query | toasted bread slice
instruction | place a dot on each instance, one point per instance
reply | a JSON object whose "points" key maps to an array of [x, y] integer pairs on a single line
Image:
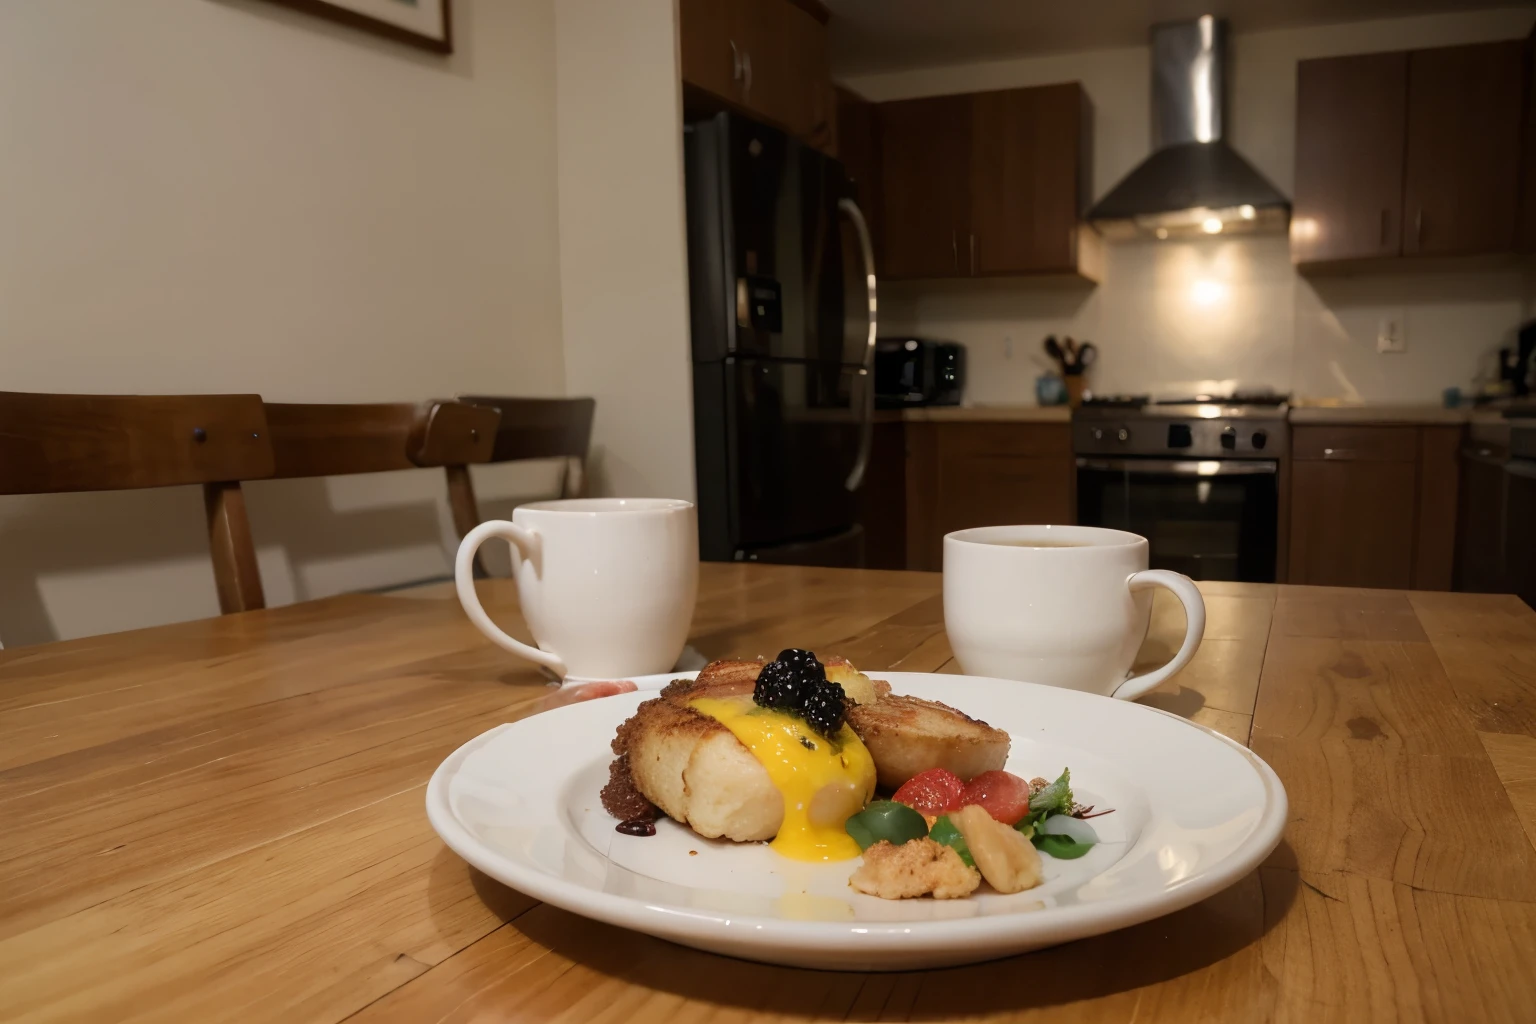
{"points": [[693, 768], [907, 735], [698, 773]]}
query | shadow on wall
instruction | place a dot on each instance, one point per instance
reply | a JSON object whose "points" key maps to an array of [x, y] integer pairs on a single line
{"points": [[984, 299], [72, 564], [1454, 321]]}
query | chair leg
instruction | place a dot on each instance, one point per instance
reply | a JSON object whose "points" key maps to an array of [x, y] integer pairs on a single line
{"points": [[235, 572], [466, 512], [579, 489]]}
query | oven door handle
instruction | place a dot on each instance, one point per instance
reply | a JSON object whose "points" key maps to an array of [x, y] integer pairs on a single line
{"points": [[1183, 467]]}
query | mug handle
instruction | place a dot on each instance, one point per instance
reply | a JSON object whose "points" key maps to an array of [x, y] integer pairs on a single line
{"points": [[1194, 612], [530, 546]]}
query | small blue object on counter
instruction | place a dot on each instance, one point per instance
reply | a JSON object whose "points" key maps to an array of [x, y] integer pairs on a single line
{"points": [[1050, 389]]}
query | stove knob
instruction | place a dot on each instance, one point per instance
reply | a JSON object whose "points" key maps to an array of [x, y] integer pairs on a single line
{"points": [[1123, 435], [1229, 439], [1260, 439], [1098, 434]]}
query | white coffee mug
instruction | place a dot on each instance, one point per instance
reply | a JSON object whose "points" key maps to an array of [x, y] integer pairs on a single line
{"points": [[607, 585], [1063, 605]]}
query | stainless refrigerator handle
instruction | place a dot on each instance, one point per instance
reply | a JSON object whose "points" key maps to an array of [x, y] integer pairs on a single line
{"points": [[1183, 467], [855, 480]]}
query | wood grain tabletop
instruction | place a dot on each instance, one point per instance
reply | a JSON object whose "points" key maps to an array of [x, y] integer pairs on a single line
{"points": [[223, 821]]}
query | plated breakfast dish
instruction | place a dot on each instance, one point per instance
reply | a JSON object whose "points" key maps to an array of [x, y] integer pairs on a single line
{"points": [[1193, 813], [798, 753]]}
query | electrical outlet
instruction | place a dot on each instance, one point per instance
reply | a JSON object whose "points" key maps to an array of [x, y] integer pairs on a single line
{"points": [[1390, 336], [1007, 346]]}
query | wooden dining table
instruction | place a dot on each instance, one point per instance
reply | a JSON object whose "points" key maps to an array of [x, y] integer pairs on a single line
{"points": [[223, 821]]}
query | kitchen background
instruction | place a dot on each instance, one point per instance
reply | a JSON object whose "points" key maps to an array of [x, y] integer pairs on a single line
{"points": [[278, 204], [1170, 313]]}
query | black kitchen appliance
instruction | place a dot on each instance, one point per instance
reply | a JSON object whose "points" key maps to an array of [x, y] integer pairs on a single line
{"points": [[782, 304], [1196, 476], [1518, 365], [1520, 508], [1496, 520], [916, 371]]}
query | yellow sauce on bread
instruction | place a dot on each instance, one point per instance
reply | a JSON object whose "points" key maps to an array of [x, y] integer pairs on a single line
{"points": [[823, 782]]}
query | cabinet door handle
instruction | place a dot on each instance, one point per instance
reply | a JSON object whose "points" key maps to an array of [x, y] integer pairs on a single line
{"points": [[737, 70], [954, 247], [1338, 453], [746, 63], [973, 254]]}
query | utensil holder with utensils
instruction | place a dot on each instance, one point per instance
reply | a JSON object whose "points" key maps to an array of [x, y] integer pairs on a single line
{"points": [[1074, 358]]}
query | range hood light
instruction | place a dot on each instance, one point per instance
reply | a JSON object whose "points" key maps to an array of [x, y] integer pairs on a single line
{"points": [[1162, 233], [1211, 225], [1247, 212]]}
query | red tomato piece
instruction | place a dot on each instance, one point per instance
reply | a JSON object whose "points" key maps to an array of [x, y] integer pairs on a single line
{"points": [[1003, 795], [935, 791]]}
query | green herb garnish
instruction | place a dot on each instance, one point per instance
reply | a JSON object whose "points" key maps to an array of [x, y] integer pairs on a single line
{"points": [[886, 819], [945, 833]]}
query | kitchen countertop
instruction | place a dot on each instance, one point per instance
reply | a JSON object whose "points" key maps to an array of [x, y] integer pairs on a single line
{"points": [[988, 414], [1385, 414], [1378, 414]]}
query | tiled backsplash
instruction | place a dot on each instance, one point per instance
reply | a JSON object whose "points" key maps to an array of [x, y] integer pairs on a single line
{"points": [[1170, 314]]}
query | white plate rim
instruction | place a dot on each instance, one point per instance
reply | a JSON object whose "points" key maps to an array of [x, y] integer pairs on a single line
{"points": [[1037, 928]]}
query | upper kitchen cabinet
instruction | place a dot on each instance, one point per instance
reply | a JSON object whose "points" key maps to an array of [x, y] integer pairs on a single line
{"points": [[1461, 186], [858, 147], [766, 58], [925, 211], [1030, 157], [1526, 240], [1350, 114], [711, 57], [1407, 154], [987, 184]]}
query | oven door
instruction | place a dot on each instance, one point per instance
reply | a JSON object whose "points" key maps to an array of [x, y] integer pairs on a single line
{"points": [[1208, 519]]}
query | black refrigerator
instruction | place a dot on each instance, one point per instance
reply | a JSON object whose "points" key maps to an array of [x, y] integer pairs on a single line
{"points": [[782, 297]]}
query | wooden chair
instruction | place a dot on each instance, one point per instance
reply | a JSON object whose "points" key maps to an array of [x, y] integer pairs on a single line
{"points": [[57, 443], [532, 428], [340, 440]]}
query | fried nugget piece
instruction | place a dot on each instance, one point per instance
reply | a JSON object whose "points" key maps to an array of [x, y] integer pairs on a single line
{"points": [[920, 867], [908, 735]]}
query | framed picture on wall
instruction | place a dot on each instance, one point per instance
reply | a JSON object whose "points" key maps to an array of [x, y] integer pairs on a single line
{"points": [[423, 23]]}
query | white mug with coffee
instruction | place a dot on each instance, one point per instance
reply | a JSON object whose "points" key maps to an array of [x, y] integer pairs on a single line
{"points": [[1063, 605], [607, 585]]}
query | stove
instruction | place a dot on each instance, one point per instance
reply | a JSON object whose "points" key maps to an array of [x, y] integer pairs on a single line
{"points": [[1196, 475], [1191, 428]]}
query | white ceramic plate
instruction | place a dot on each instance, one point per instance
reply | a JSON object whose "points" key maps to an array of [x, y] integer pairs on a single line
{"points": [[1194, 812]]}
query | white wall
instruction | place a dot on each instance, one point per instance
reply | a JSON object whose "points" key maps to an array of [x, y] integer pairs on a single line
{"points": [[623, 259], [225, 195], [1170, 314]]}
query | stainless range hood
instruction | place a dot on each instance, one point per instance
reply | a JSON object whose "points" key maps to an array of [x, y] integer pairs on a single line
{"points": [[1194, 183]]}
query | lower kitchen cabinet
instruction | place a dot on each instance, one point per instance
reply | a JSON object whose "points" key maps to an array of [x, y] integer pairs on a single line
{"points": [[883, 497], [1373, 506], [961, 475]]}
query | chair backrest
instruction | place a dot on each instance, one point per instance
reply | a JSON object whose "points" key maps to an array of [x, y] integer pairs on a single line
{"points": [[339, 440], [56, 443], [539, 428]]}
